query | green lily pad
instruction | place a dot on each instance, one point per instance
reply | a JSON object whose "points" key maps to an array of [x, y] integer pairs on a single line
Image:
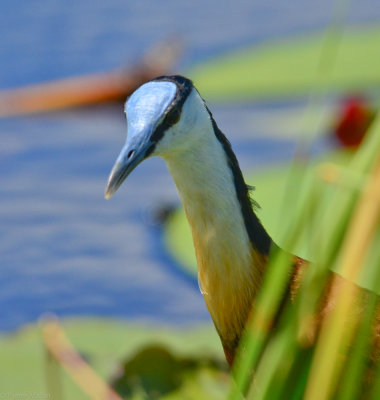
{"points": [[106, 344], [288, 67]]}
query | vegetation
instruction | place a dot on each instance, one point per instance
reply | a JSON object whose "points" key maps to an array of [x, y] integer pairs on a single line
{"points": [[288, 68], [343, 236], [192, 357]]}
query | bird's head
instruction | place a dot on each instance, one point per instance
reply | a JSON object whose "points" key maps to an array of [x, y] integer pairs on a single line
{"points": [[160, 116]]}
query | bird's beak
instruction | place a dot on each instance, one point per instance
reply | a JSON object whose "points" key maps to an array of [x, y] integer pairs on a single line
{"points": [[135, 150]]}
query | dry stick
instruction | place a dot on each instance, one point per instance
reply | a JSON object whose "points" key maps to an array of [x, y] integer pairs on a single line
{"points": [[334, 332], [89, 89], [64, 353]]}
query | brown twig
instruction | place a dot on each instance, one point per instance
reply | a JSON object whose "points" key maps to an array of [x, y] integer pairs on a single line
{"points": [[63, 352], [89, 89]]}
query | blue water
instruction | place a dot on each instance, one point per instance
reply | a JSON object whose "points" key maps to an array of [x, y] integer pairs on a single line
{"points": [[46, 39], [63, 248]]}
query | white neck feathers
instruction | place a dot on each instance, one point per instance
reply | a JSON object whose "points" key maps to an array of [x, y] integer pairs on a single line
{"points": [[229, 269]]}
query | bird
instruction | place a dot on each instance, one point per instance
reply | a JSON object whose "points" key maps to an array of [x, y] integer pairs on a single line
{"points": [[167, 117]]}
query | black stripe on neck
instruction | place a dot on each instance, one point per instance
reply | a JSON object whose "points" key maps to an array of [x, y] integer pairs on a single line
{"points": [[257, 234], [174, 109]]}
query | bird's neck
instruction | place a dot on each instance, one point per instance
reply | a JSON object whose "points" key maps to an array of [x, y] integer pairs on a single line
{"points": [[230, 257]]}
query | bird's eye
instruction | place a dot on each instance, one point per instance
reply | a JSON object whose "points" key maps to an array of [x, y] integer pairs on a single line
{"points": [[172, 117]]}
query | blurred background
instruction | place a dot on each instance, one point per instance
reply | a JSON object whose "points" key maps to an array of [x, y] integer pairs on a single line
{"points": [[116, 264]]}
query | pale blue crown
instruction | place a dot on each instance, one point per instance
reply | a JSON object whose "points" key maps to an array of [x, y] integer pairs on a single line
{"points": [[147, 104]]}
